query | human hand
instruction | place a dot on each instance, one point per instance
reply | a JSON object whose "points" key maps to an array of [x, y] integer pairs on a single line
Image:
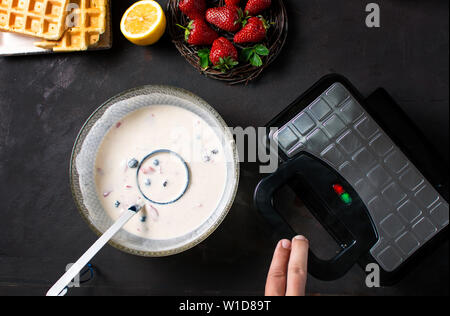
{"points": [[288, 271]]}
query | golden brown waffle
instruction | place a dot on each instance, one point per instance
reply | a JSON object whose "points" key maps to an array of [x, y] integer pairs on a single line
{"points": [[40, 18], [106, 38], [89, 17]]}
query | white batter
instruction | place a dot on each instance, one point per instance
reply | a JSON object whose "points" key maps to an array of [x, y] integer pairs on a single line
{"points": [[162, 177]]}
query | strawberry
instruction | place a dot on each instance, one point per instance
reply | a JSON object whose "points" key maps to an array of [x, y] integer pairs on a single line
{"points": [[232, 2], [194, 9], [254, 7], [198, 32], [228, 18], [223, 54], [253, 32]]}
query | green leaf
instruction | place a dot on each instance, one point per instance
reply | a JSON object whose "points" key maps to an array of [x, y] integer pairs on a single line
{"points": [[261, 50], [247, 53], [204, 58], [234, 63], [203, 52], [256, 61], [204, 62]]}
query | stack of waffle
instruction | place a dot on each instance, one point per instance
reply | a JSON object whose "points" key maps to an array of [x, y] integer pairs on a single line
{"points": [[58, 25]]}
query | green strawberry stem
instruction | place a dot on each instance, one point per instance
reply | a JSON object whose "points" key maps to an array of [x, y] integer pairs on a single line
{"points": [[242, 18], [187, 30], [226, 64], [265, 23]]}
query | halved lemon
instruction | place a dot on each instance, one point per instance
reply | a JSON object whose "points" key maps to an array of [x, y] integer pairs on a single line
{"points": [[143, 23]]}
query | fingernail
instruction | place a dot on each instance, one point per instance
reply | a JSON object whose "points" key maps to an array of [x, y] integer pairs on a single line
{"points": [[300, 237], [286, 244]]}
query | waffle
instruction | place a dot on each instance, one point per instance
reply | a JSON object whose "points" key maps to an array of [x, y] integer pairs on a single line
{"points": [[39, 18], [89, 17], [106, 38]]}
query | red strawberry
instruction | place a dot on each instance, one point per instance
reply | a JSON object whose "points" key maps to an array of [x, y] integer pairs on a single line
{"points": [[227, 18], [223, 54], [198, 32], [232, 2], [253, 32], [194, 9], [254, 7]]}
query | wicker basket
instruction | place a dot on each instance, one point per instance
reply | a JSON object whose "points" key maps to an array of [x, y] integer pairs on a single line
{"points": [[243, 73]]}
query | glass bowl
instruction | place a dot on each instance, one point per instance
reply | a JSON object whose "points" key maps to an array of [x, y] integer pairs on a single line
{"points": [[97, 218]]}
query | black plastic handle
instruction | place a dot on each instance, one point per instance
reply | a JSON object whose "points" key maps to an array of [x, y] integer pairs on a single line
{"points": [[349, 225]]}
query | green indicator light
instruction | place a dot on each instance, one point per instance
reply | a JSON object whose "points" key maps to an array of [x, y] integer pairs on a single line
{"points": [[346, 198]]}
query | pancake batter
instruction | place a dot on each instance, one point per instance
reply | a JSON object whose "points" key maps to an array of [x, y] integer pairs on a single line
{"points": [[162, 177]]}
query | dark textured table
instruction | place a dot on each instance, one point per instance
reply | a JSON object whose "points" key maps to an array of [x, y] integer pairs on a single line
{"points": [[44, 101]]}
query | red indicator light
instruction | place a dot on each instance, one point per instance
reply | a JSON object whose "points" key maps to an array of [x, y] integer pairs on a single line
{"points": [[339, 189], [345, 197]]}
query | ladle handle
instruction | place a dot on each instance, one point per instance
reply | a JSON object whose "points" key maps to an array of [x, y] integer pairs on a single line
{"points": [[62, 283]]}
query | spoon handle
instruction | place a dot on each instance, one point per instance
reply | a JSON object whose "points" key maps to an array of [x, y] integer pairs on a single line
{"points": [[62, 283]]}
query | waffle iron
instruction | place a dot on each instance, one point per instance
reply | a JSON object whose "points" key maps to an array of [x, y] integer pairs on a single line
{"points": [[365, 172]]}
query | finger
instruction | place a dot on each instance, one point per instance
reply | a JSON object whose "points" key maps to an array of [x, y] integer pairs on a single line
{"points": [[276, 279], [298, 267]]}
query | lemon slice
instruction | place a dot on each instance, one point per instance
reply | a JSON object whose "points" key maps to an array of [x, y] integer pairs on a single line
{"points": [[143, 23]]}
